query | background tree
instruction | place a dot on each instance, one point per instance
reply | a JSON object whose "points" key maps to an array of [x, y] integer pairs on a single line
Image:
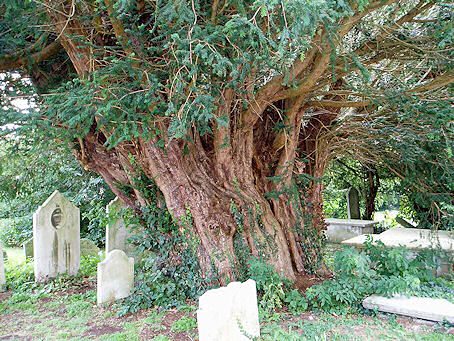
{"points": [[233, 108], [30, 172]]}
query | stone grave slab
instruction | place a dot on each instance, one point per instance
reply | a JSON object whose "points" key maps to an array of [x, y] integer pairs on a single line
{"points": [[353, 203], [433, 309], [117, 233], [339, 230], [28, 248], [115, 277], [225, 312], [56, 243], [88, 248], [2, 269]]}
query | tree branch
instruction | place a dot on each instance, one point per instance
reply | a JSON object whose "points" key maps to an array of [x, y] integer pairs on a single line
{"points": [[17, 61]]}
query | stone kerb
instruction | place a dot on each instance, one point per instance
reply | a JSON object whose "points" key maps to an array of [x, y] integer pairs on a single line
{"points": [[229, 313], [115, 277], [2, 270], [56, 244], [117, 233]]}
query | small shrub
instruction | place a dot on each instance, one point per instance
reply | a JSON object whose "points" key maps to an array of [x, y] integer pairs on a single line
{"points": [[184, 324], [296, 302]]}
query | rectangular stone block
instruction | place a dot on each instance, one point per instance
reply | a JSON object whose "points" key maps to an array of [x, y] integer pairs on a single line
{"points": [[433, 309], [229, 313], [115, 277], [339, 230]]}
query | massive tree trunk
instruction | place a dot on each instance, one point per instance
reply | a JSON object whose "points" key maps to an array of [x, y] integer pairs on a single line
{"points": [[244, 179]]}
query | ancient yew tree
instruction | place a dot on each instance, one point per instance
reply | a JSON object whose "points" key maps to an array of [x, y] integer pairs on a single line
{"points": [[232, 108]]}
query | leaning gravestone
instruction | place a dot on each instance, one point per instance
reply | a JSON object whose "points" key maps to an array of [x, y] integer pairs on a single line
{"points": [[229, 313], [117, 233], [88, 248], [56, 228], [353, 203], [28, 248], [115, 277], [2, 269]]}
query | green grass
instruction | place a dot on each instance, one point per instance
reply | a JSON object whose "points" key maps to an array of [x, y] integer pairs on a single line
{"points": [[15, 255]]}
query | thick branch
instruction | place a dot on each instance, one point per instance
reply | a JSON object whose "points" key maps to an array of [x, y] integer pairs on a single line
{"points": [[16, 61]]}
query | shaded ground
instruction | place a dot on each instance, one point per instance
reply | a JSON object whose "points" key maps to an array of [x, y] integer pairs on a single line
{"points": [[74, 315]]}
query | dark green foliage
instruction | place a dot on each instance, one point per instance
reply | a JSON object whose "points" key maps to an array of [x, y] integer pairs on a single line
{"points": [[169, 272]]}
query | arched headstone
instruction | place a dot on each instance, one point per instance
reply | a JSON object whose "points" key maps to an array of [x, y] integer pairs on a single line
{"points": [[115, 277], [56, 238], [353, 203], [117, 232], [229, 313]]}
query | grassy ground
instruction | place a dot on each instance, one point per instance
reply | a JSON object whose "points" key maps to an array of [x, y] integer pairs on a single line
{"points": [[53, 313], [15, 255]]}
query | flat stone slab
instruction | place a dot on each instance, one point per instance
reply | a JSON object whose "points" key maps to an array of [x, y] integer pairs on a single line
{"points": [[413, 239], [433, 309], [339, 230]]}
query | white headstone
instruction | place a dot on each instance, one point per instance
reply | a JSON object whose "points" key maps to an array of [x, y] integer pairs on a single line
{"points": [[117, 233], [2, 269], [229, 313], [115, 277], [56, 244]]}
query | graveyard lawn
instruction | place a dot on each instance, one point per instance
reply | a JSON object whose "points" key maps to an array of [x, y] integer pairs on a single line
{"points": [[73, 314]]}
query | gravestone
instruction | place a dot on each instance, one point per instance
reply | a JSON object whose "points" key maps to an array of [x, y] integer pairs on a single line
{"points": [[353, 203], [88, 248], [56, 228], [2, 269], [115, 277], [28, 248], [229, 313], [117, 233]]}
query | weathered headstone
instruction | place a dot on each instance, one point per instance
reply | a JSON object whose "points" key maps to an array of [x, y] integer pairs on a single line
{"points": [[115, 277], [229, 313], [56, 229], [28, 248], [88, 248], [353, 203], [117, 233], [2, 269], [434, 309]]}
